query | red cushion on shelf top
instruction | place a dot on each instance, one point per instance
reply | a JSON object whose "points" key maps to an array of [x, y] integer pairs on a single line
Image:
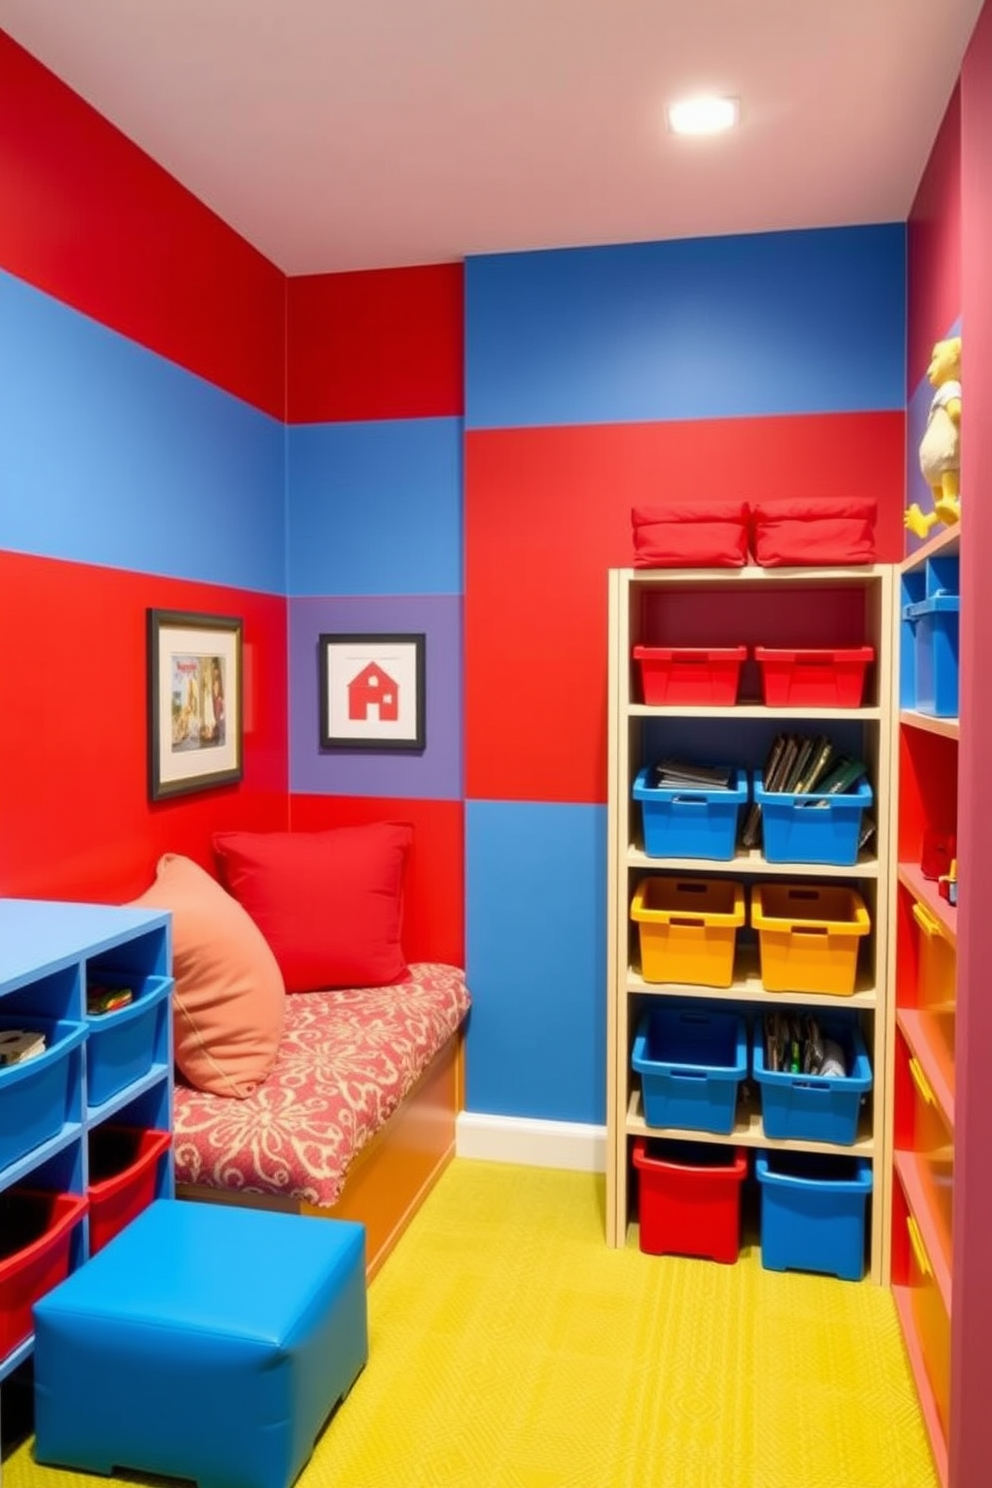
{"points": [[682, 534], [809, 531]]}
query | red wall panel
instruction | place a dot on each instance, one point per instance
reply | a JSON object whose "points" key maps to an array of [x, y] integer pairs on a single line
{"points": [[95, 222], [972, 1300], [934, 247], [77, 822], [382, 344], [434, 892], [547, 513]]}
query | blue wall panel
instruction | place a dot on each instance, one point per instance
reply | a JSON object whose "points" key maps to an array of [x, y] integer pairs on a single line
{"points": [[536, 958], [114, 456], [375, 507], [797, 322]]}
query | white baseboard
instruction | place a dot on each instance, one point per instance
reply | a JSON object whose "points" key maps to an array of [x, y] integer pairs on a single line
{"points": [[531, 1141]]}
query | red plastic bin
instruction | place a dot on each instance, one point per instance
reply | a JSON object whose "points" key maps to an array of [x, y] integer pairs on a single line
{"points": [[823, 678], [690, 1198], [690, 674], [35, 1236], [123, 1174]]}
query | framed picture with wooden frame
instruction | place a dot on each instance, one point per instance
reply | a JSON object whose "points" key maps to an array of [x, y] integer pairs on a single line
{"points": [[195, 723], [372, 691]]}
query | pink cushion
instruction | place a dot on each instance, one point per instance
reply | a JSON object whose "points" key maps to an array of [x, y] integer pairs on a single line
{"points": [[330, 904], [229, 998]]}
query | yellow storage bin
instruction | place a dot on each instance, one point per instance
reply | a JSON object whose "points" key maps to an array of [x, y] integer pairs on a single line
{"points": [[923, 1132], [933, 1325], [936, 994], [688, 929], [808, 936]]}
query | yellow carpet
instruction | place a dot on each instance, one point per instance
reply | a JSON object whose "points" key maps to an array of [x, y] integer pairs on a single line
{"points": [[511, 1349]]}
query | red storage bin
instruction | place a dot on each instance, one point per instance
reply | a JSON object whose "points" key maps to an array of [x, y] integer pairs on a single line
{"points": [[690, 1198], [123, 1173], [690, 674], [823, 678], [35, 1236]]}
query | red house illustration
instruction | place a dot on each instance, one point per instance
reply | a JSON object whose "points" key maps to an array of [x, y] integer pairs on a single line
{"points": [[373, 688]]}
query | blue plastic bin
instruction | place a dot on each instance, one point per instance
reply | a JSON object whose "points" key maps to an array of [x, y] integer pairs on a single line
{"points": [[813, 1212], [934, 626], [687, 823], [691, 1061], [36, 1097], [123, 1045], [814, 1108], [811, 828]]}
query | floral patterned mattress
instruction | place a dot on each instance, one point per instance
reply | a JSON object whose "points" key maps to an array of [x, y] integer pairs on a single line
{"points": [[346, 1060]]}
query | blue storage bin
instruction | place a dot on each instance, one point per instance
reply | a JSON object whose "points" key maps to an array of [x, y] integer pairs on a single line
{"points": [[814, 1108], [122, 1045], [932, 627], [691, 1061], [813, 1212], [681, 822], [811, 827], [36, 1097]]}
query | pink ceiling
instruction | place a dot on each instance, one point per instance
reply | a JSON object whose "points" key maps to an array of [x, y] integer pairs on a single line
{"points": [[341, 134]]}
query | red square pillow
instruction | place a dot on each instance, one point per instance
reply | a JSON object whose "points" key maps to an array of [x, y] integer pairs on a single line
{"points": [[803, 531], [330, 904], [683, 534]]}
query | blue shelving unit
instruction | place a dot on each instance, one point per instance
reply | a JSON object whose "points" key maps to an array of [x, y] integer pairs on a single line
{"points": [[49, 951]]}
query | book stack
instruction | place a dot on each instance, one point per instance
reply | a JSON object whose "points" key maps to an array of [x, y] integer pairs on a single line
{"points": [[806, 764], [795, 1044], [100, 999], [674, 774]]}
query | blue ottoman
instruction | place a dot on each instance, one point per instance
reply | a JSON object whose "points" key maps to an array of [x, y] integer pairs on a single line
{"points": [[203, 1342]]}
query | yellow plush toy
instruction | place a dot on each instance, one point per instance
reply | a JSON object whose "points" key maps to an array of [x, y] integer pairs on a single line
{"points": [[940, 447]]}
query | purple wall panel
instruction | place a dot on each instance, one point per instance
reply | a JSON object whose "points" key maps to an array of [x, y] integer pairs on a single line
{"points": [[434, 775]]}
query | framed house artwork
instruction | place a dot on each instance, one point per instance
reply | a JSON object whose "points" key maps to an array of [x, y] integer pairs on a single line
{"points": [[372, 692], [194, 702]]}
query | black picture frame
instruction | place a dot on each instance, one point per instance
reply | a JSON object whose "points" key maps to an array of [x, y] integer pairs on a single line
{"points": [[373, 691], [195, 719]]}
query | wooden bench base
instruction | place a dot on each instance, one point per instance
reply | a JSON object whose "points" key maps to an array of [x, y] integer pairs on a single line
{"points": [[393, 1174]]}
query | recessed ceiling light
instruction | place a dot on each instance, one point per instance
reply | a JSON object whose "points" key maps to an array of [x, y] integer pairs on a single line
{"points": [[706, 115]]}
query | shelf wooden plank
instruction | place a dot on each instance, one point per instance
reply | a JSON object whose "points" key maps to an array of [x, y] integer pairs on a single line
{"points": [[924, 1390], [934, 1233], [948, 728], [925, 890], [748, 1132], [750, 860], [752, 709], [946, 542], [917, 1033], [746, 987], [861, 575]]}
